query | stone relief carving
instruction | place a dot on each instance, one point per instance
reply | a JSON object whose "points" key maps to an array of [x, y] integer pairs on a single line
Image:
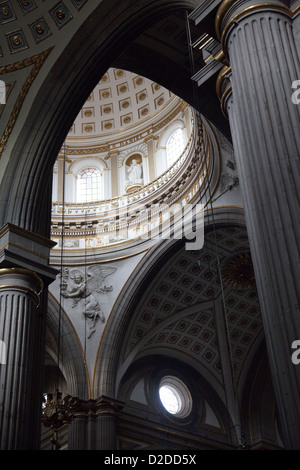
{"points": [[229, 178], [70, 243], [79, 285]]}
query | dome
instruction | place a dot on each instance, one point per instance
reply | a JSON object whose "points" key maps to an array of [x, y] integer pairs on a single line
{"points": [[133, 145], [122, 101]]}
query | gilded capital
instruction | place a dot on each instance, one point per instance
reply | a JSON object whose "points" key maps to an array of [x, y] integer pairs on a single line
{"points": [[23, 280], [230, 11]]}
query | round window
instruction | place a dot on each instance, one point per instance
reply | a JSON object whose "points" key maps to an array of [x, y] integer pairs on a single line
{"points": [[175, 396]]}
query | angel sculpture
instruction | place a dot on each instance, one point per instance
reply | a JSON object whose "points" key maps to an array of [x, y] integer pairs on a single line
{"points": [[75, 285]]}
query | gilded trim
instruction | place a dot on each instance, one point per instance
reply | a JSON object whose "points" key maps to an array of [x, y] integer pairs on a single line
{"points": [[296, 10], [252, 9], [22, 288], [11, 228], [24, 249], [227, 4], [23, 272], [220, 80], [225, 95], [111, 260], [37, 61]]}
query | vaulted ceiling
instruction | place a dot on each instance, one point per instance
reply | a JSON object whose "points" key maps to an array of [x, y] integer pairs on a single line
{"points": [[180, 309]]}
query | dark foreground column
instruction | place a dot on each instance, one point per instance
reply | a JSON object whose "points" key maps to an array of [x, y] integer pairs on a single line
{"points": [[24, 275], [256, 93]]}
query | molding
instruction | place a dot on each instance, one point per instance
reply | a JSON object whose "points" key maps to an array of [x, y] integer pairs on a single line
{"points": [[37, 61], [220, 80], [23, 273], [116, 144], [227, 4], [224, 97], [22, 232], [250, 10], [111, 260]]}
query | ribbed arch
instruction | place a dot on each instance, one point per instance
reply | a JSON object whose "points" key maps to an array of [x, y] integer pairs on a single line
{"points": [[71, 356]]}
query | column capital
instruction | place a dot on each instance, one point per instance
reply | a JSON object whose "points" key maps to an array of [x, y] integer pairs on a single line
{"points": [[150, 138], [23, 280], [231, 11], [113, 152]]}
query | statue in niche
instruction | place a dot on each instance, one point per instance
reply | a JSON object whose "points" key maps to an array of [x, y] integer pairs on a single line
{"points": [[134, 171], [75, 285]]}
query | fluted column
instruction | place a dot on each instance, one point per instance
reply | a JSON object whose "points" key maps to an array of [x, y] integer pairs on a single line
{"points": [[95, 425], [255, 90], [19, 298], [24, 278], [107, 425]]}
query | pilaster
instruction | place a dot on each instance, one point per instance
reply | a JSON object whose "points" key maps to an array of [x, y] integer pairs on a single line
{"points": [[150, 141]]}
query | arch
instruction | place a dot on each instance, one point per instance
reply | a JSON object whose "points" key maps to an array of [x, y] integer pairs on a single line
{"points": [[175, 145], [105, 373], [161, 158], [149, 371], [165, 135], [72, 364], [83, 162], [259, 409], [25, 198]]}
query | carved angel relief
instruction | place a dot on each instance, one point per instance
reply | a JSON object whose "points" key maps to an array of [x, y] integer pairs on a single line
{"points": [[79, 285]]}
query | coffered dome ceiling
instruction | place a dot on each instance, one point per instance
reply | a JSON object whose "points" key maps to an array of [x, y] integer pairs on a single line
{"points": [[121, 101]]}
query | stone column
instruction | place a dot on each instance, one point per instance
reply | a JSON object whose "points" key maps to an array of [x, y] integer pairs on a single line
{"points": [[24, 276], [19, 298], [95, 425], [107, 424], [255, 91]]}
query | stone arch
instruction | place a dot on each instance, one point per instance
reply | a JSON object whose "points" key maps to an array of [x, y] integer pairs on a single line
{"points": [[72, 365], [25, 197], [258, 404], [105, 373]]}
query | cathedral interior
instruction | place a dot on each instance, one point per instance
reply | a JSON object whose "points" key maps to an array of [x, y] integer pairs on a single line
{"points": [[149, 225]]}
